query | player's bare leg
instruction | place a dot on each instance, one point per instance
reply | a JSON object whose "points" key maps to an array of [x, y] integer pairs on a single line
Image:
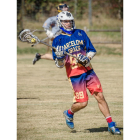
{"points": [[44, 56], [47, 56], [78, 106], [103, 106]]}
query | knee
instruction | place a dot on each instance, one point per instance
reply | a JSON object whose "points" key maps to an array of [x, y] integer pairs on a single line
{"points": [[99, 96], [84, 104]]}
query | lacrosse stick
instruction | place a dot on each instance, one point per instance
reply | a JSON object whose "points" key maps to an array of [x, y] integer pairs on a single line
{"points": [[27, 36], [39, 42], [56, 34]]}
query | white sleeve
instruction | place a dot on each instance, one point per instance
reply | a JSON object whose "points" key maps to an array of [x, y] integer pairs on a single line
{"points": [[48, 22], [91, 54]]}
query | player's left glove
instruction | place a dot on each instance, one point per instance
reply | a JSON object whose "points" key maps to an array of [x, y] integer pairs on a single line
{"points": [[60, 52], [83, 60], [50, 34]]}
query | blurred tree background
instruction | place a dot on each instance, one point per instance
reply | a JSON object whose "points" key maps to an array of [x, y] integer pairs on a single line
{"points": [[92, 14], [40, 10]]}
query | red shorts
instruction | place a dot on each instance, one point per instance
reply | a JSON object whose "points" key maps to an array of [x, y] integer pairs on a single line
{"points": [[87, 80]]}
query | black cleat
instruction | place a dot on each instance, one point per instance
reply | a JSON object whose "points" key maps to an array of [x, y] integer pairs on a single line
{"points": [[37, 57]]}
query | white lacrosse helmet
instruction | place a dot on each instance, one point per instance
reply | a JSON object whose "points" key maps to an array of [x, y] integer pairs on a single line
{"points": [[65, 15]]}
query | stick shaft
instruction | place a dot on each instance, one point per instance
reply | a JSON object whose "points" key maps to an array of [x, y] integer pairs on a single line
{"points": [[55, 49]]}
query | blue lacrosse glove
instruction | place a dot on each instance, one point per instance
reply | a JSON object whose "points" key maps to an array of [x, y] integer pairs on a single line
{"points": [[83, 60], [60, 52]]}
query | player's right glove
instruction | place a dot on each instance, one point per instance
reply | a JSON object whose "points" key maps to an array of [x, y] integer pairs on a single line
{"points": [[83, 60], [60, 52]]}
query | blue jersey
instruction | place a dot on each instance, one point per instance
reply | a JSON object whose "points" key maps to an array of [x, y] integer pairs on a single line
{"points": [[77, 43]]}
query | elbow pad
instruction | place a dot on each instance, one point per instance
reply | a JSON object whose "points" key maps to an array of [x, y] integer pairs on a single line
{"points": [[59, 63]]}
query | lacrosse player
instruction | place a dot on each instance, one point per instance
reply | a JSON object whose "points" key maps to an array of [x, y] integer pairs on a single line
{"points": [[79, 71], [51, 23]]}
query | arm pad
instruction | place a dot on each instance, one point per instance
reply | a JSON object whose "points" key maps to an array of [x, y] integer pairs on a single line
{"points": [[91, 54]]}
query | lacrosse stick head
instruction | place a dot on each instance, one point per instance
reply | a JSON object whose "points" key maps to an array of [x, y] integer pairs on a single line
{"points": [[27, 36]]}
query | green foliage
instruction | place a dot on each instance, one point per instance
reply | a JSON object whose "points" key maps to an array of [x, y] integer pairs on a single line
{"points": [[81, 8], [112, 8]]}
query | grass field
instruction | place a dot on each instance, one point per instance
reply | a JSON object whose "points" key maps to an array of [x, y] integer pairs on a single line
{"points": [[43, 93]]}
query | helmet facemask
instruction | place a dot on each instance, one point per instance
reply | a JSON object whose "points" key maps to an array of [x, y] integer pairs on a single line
{"points": [[62, 20], [67, 26]]}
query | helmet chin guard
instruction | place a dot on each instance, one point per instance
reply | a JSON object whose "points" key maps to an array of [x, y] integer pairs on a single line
{"points": [[64, 30]]}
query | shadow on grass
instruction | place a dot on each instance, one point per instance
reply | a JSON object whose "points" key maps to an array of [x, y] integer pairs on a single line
{"points": [[92, 130]]}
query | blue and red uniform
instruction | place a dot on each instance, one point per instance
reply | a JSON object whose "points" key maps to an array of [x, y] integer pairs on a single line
{"points": [[80, 77]]}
